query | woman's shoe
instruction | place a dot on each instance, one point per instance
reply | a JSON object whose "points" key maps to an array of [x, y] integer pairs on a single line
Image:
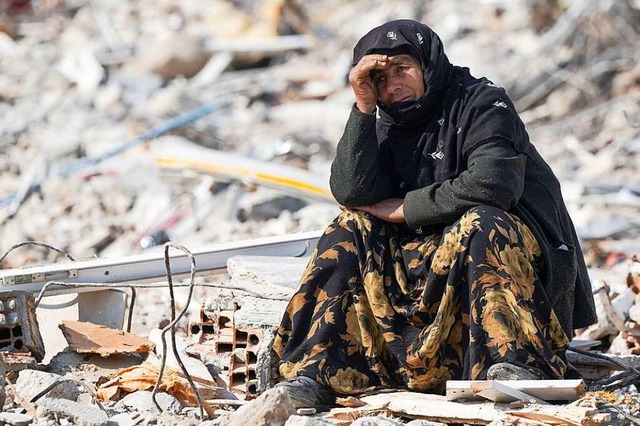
{"points": [[508, 371], [307, 393]]}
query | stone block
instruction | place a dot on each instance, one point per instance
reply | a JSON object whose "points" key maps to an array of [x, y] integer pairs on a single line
{"points": [[32, 382]]}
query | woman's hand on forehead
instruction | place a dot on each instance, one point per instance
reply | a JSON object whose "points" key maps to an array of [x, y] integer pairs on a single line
{"points": [[366, 76], [362, 83]]}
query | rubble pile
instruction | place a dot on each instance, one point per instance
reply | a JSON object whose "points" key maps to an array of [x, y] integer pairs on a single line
{"points": [[128, 124]]}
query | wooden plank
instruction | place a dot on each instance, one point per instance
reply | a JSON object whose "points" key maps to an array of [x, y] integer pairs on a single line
{"points": [[547, 390], [434, 407], [557, 415]]}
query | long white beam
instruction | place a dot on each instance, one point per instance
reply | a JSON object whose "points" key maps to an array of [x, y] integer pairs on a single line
{"points": [[145, 268], [179, 153]]}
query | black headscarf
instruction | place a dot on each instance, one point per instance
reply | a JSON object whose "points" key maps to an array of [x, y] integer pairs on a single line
{"points": [[406, 36], [429, 138]]}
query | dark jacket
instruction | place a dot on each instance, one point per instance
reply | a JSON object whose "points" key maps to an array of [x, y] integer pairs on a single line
{"points": [[441, 181]]}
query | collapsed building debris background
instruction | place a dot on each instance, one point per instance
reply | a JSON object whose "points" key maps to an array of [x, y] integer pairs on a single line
{"points": [[126, 125]]}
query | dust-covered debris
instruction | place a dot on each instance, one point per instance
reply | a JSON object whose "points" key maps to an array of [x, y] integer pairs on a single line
{"points": [[88, 89]]}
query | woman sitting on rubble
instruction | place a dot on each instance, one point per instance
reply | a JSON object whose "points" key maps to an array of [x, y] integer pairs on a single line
{"points": [[454, 258]]}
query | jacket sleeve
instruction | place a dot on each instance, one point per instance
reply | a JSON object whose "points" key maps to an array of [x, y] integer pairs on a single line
{"points": [[494, 176], [358, 176]]}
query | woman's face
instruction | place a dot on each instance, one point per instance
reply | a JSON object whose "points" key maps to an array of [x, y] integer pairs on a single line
{"points": [[399, 81]]}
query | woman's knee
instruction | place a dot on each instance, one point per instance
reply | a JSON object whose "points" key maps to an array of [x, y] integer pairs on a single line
{"points": [[485, 219], [488, 219], [487, 213]]}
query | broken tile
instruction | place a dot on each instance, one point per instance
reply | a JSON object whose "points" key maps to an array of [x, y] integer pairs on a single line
{"points": [[84, 337]]}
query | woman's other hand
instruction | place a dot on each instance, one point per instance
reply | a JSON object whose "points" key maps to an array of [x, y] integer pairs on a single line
{"points": [[389, 210]]}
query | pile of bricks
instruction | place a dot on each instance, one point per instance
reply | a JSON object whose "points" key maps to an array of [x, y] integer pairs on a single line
{"points": [[215, 334], [20, 339]]}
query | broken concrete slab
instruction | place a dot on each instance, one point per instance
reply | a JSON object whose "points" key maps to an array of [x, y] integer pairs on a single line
{"points": [[90, 367], [85, 337], [142, 402], [257, 312], [260, 412], [433, 407], [125, 419], [31, 382], [168, 419], [78, 414], [15, 419], [268, 271]]}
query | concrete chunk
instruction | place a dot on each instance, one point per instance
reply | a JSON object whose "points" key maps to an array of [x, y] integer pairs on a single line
{"points": [[260, 412], [32, 382], [15, 419], [124, 419], [142, 402], [78, 414]]}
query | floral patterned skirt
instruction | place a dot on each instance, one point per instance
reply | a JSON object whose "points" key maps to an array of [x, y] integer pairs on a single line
{"points": [[381, 305]]}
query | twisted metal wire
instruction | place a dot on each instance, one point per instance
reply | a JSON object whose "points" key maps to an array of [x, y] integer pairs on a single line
{"points": [[171, 326], [37, 243]]}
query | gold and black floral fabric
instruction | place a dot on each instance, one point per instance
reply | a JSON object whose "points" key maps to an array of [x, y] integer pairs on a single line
{"points": [[381, 305]]}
